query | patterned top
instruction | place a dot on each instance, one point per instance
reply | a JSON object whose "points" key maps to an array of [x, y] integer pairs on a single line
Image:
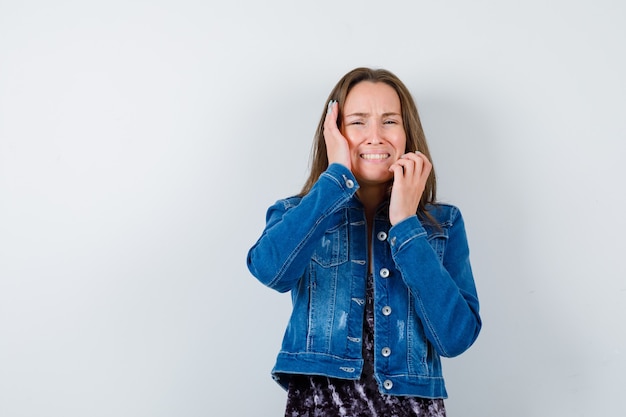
{"points": [[311, 395]]}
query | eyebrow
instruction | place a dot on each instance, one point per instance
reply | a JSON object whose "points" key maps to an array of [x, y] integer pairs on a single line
{"points": [[367, 114]]}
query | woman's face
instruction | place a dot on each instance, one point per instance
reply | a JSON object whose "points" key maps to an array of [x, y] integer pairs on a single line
{"points": [[372, 124]]}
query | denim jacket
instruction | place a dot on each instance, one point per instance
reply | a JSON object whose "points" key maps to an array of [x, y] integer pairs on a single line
{"points": [[426, 305]]}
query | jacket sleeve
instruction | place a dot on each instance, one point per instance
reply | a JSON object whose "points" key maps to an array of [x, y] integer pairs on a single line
{"points": [[444, 290], [280, 256]]}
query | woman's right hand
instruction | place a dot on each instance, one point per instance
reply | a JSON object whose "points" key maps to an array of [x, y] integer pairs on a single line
{"points": [[337, 148]]}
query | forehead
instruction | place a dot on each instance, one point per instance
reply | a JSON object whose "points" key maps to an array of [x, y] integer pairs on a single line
{"points": [[372, 95]]}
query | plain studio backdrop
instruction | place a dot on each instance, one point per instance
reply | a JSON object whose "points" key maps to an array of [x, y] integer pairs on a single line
{"points": [[141, 143]]}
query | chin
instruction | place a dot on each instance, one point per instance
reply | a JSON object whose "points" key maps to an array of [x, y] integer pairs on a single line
{"points": [[373, 178]]}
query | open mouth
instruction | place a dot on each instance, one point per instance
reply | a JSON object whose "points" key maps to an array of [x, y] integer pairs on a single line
{"points": [[374, 156]]}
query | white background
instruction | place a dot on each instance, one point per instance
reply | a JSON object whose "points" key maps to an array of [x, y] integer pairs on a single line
{"points": [[142, 141]]}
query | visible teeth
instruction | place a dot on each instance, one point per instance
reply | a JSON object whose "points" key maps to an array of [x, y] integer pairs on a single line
{"points": [[375, 155]]}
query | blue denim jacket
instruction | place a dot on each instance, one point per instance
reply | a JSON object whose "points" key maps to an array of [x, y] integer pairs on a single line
{"points": [[425, 305]]}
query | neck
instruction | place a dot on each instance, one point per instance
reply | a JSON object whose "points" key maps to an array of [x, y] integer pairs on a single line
{"points": [[371, 197]]}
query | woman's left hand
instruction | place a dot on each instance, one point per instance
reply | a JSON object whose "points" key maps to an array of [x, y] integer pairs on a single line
{"points": [[410, 173]]}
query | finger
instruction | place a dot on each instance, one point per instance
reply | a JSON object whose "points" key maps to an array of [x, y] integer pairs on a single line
{"points": [[408, 166], [397, 169], [427, 166], [331, 131], [422, 165], [330, 106], [414, 156], [422, 157], [331, 115], [412, 163]]}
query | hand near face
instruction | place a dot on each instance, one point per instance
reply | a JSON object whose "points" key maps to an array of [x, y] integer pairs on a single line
{"points": [[410, 173], [336, 144]]}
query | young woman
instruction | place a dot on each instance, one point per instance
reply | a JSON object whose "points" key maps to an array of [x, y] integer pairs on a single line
{"points": [[378, 270]]}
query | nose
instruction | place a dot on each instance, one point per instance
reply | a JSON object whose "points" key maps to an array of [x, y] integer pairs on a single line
{"points": [[375, 135]]}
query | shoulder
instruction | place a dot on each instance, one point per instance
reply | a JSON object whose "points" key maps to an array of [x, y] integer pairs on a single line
{"points": [[446, 217], [285, 204], [289, 201], [444, 213], [280, 207]]}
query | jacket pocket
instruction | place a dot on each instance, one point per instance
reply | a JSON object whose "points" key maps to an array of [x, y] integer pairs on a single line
{"points": [[332, 249]]}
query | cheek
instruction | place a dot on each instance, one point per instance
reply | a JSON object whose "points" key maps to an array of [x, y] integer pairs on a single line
{"points": [[400, 144], [352, 139]]}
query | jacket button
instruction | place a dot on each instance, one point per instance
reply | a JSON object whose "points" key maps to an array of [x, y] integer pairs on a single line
{"points": [[388, 384], [386, 310], [386, 352], [384, 272], [349, 183], [382, 236]]}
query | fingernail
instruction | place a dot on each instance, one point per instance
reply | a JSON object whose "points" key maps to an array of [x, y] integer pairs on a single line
{"points": [[418, 152], [330, 106]]}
